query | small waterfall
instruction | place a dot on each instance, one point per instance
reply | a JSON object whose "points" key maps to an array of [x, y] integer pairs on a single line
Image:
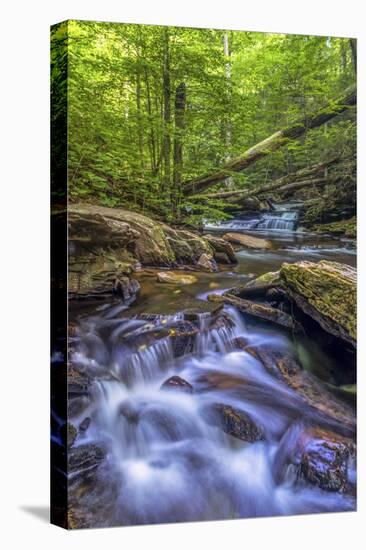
{"points": [[166, 459], [278, 220]]}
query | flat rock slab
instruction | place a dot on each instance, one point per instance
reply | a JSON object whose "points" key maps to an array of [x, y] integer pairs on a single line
{"points": [[327, 292], [247, 241]]}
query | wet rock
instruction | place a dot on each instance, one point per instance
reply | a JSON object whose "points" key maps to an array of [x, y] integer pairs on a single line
{"points": [[85, 457], [182, 336], [84, 425], [108, 244], [324, 461], [186, 245], [247, 241], [175, 278], [271, 278], [77, 405], [126, 288], [130, 410], [68, 434], [322, 404], [238, 423], [223, 251], [78, 383], [176, 383], [326, 291], [207, 263]]}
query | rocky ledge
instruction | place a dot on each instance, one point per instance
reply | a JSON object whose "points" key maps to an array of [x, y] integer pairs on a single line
{"points": [[106, 246]]}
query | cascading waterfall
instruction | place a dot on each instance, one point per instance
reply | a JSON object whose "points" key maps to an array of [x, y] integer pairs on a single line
{"points": [[274, 221], [166, 460]]}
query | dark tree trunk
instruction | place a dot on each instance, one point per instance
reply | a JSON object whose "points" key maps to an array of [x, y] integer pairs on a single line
{"points": [[179, 119], [353, 45], [167, 113]]}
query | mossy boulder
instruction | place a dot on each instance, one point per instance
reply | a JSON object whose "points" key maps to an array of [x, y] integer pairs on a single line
{"points": [[327, 292], [347, 228], [106, 244]]}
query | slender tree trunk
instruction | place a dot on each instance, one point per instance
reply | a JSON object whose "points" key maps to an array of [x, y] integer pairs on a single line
{"points": [[151, 122], [179, 119], [139, 121], [229, 180], [166, 112], [272, 143], [353, 46]]}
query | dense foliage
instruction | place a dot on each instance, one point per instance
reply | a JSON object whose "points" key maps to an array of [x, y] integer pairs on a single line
{"points": [[150, 107]]}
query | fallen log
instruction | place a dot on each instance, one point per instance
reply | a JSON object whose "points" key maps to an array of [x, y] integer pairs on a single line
{"points": [[259, 311], [274, 185], [272, 143]]}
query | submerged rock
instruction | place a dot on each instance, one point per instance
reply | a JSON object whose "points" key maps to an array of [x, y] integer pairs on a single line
{"points": [[326, 291], [175, 278], [177, 383], [247, 241], [238, 423]]}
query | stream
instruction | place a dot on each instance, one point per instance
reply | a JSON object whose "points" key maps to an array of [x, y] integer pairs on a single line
{"points": [[166, 458]]}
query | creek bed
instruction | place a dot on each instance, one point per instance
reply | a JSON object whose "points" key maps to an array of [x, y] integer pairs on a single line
{"points": [[166, 457]]}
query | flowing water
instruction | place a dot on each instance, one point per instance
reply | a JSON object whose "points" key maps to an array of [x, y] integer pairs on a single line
{"points": [[167, 460]]}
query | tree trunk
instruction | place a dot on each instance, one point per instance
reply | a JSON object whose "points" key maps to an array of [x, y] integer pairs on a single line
{"points": [[227, 126], [272, 143], [353, 45], [179, 113], [167, 115]]}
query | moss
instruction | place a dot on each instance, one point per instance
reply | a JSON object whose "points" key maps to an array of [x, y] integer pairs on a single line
{"points": [[330, 289], [272, 277], [348, 228]]}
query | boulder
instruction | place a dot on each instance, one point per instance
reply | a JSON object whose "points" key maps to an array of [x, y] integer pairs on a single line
{"points": [[247, 241], [324, 460], [326, 291], [238, 423], [84, 457], [207, 263], [68, 434], [318, 402], [347, 228], [175, 278], [222, 249], [84, 425], [177, 383], [106, 245]]}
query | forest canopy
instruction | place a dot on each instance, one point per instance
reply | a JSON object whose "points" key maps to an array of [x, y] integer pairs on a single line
{"points": [[152, 107]]}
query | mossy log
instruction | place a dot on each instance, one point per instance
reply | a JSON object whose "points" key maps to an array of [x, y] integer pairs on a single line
{"points": [[272, 143], [259, 311]]}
